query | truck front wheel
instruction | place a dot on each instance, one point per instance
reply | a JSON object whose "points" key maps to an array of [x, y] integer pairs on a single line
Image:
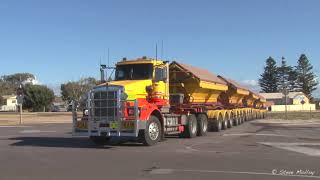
{"points": [[152, 134]]}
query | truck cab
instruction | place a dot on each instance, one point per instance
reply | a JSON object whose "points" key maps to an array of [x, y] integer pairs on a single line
{"points": [[130, 105]]}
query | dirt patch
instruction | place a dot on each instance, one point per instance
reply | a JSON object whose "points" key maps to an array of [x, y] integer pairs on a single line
{"points": [[35, 118]]}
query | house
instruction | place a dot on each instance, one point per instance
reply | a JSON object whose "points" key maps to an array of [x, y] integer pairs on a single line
{"points": [[10, 103], [296, 101], [317, 102]]}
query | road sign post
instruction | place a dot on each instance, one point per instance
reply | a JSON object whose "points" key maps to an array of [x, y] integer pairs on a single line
{"points": [[20, 97], [20, 109], [285, 92]]}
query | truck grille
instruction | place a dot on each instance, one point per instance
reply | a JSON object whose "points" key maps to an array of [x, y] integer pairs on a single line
{"points": [[105, 105]]}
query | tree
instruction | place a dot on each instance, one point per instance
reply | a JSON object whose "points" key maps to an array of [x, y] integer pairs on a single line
{"points": [[74, 90], [37, 97], [287, 77], [293, 80], [269, 80], [9, 83], [16, 79], [306, 79]]}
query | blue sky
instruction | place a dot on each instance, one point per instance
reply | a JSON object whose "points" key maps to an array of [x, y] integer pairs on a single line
{"points": [[62, 40]]}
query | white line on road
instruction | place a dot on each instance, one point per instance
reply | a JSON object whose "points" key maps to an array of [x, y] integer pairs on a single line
{"points": [[296, 147], [170, 171], [254, 134], [35, 131]]}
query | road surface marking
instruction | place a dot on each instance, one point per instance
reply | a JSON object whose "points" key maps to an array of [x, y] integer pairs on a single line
{"points": [[35, 131], [254, 134], [170, 171], [296, 147]]}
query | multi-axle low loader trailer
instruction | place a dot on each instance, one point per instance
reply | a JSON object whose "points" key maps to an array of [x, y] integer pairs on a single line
{"points": [[150, 99]]}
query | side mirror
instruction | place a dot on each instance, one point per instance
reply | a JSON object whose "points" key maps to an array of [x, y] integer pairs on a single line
{"points": [[160, 74]]}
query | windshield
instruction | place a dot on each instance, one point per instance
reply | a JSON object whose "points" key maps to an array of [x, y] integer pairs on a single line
{"points": [[133, 72]]}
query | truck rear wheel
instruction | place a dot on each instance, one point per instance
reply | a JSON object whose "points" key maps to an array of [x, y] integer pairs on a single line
{"points": [[100, 140], [202, 121], [152, 134], [190, 130]]}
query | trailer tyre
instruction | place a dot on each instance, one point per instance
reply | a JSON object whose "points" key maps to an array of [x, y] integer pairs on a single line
{"points": [[234, 120], [152, 134], [230, 122], [100, 140], [191, 127], [202, 121], [217, 125], [225, 124]]}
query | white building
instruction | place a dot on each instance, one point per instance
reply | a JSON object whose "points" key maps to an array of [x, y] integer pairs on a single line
{"points": [[296, 101], [10, 103]]}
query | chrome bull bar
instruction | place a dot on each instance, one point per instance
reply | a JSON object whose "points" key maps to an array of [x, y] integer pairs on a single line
{"points": [[86, 126]]}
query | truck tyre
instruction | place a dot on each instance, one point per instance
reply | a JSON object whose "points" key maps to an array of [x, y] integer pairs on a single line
{"points": [[249, 116], [190, 130], [217, 124], [241, 118], [236, 120], [100, 140], [225, 124], [202, 121], [230, 121], [152, 134]]}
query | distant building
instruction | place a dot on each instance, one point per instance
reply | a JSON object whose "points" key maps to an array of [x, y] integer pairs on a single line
{"points": [[58, 105], [317, 102], [296, 101], [10, 103]]}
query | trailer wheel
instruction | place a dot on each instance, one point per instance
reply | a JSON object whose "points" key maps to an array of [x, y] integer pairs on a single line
{"points": [[202, 121], [230, 121], [217, 124], [249, 116], [225, 124], [152, 134], [245, 116], [236, 120], [190, 130], [100, 140], [241, 118]]}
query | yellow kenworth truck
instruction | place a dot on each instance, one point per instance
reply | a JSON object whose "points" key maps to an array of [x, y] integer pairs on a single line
{"points": [[150, 99]]}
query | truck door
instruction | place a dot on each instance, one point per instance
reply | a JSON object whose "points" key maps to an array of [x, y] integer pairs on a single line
{"points": [[160, 84]]}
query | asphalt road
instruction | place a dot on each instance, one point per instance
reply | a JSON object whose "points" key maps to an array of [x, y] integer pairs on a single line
{"points": [[250, 151]]}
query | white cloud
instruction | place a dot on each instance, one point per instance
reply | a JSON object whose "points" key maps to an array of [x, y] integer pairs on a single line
{"points": [[56, 88], [33, 81], [251, 84]]}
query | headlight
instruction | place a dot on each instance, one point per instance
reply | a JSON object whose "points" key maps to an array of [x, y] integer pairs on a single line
{"points": [[124, 96], [86, 112]]}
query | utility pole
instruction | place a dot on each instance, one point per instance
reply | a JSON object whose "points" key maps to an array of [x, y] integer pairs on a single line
{"points": [[20, 97], [285, 92]]}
